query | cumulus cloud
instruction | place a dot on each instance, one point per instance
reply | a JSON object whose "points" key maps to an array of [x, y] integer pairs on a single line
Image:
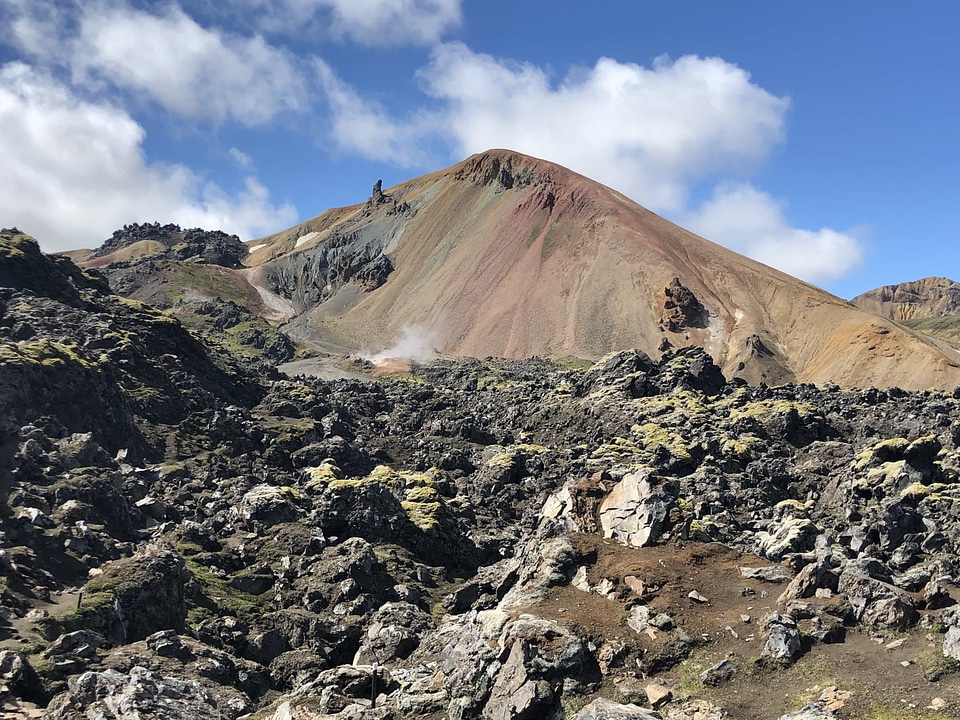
{"points": [[74, 170], [367, 22], [750, 221], [648, 132], [190, 70]]}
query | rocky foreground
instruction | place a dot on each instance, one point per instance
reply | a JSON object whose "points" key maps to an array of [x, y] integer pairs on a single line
{"points": [[468, 539]]}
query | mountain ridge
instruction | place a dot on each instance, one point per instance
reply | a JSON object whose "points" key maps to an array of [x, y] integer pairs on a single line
{"points": [[917, 300]]}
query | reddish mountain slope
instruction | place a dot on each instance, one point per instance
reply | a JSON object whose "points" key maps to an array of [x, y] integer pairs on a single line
{"points": [[508, 255]]}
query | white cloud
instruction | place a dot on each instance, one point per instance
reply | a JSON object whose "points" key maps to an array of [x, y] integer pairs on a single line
{"points": [[750, 221], [35, 27], [190, 70], [75, 170], [394, 22], [240, 158], [364, 127], [367, 22], [648, 132], [652, 133]]}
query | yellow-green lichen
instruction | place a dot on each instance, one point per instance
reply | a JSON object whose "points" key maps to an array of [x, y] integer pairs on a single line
{"points": [[617, 448], [651, 435], [422, 494], [738, 448], [793, 508], [323, 474], [509, 457], [683, 403], [917, 491], [883, 451], [704, 530], [423, 514], [43, 353]]}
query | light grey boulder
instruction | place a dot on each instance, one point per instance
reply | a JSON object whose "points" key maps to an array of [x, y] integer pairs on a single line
{"points": [[603, 709], [637, 510], [790, 535], [137, 695], [951, 643]]}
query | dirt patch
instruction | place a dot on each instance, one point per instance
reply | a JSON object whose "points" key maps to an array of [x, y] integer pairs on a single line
{"points": [[883, 682]]}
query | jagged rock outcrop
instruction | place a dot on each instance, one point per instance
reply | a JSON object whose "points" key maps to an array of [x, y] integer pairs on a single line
{"points": [[212, 247], [927, 298], [682, 309], [98, 362]]}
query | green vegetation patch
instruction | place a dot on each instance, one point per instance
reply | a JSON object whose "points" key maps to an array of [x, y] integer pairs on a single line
{"points": [[617, 448], [651, 435], [43, 353], [762, 409], [947, 327], [219, 598]]}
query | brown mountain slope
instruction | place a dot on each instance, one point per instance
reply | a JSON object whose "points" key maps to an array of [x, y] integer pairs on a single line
{"points": [[507, 255], [930, 307], [927, 298]]}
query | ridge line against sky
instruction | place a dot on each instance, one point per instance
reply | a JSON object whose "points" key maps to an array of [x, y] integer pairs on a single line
{"points": [[252, 118]]}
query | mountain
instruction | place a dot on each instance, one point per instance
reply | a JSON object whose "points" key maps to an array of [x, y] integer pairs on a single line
{"points": [[507, 255], [930, 306], [930, 297]]}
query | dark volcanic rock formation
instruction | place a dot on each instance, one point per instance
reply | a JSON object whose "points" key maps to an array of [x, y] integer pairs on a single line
{"points": [[469, 538], [213, 247], [100, 363]]}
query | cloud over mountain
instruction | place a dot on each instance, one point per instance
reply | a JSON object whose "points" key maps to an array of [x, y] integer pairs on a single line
{"points": [[663, 134], [654, 133]]}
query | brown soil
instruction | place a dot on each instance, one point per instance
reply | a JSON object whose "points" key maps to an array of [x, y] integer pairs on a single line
{"points": [[885, 684]]}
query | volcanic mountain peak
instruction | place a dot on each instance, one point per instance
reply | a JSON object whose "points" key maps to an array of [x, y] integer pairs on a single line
{"points": [[508, 255]]}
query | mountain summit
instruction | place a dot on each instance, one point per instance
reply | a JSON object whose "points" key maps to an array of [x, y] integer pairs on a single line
{"points": [[508, 255]]}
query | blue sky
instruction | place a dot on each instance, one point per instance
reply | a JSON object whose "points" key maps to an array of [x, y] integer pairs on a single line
{"points": [[819, 138]]}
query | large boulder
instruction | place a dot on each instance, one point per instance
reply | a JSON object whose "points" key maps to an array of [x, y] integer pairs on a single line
{"points": [[876, 602], [783, 638], [268, 505], [134, 597], [393, 633], [637, 510], [137, 695], [542, 654]]}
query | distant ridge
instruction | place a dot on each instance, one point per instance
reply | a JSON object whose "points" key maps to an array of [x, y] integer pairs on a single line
{"points": [[927, 298], [508, 255], [930, 306]]}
